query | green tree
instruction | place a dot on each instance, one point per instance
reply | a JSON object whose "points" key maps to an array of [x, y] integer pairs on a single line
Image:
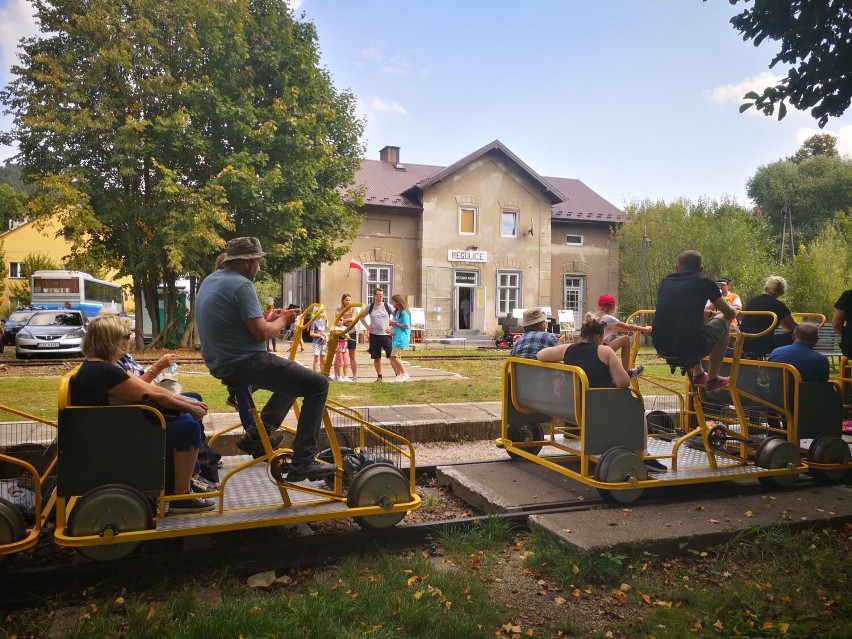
{"points": [[816, 41], [10, 173], [821, 270], [12, 205], [815, 188], [819, 145], [158, 129], [733, 242], [30, 264]]}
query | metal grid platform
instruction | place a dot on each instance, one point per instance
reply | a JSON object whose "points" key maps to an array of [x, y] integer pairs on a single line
{"points": [[252, 496]]}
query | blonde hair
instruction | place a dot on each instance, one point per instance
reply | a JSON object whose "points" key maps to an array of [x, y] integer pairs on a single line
{"points": [[104, 335], [775, 285]]}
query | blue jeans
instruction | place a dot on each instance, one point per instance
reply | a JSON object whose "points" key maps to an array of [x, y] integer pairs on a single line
{"points": [[287, 380]]}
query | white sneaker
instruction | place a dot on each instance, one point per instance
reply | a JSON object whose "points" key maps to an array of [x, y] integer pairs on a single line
{"points": [[405, 377], [395, 380], [331, 378]]}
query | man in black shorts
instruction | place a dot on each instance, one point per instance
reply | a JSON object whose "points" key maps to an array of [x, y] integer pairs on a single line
{"points": [[380, 313], [680, 333]]}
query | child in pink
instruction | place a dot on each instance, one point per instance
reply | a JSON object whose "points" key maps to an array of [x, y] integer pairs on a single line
{"points": [[606, 308], [341, 356]]}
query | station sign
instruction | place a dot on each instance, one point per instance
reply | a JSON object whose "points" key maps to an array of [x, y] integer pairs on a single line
{"points": [[467, 256]]}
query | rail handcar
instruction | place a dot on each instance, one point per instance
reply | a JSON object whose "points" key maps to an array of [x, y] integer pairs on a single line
{"points": [[760, 426], [110, 480], [27, 479]]}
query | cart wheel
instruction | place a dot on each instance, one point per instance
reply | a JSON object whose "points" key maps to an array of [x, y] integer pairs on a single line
{"points": [[279, 466], [13, 526], [109, 510], [525, 433], [660, 423], [617, 465], [828, 449], [379, 484], [777, 452]]}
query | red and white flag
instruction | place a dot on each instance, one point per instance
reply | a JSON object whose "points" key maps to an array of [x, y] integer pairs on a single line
{"points": [[353, 263]]}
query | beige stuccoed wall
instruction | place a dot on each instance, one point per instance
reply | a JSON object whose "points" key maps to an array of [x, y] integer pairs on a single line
{"points": [[491, 184], [597, 259]]}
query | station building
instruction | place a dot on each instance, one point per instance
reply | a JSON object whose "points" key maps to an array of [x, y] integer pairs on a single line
{"points": [[471, 242]]}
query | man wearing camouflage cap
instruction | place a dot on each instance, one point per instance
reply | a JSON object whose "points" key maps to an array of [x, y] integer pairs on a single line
{"points": [[233, 335]]}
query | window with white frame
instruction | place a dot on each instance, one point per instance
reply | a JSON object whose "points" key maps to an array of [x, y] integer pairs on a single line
{"points": [[575, 240], [378, 277], [508, 292], [467, 221], [574, 294], [16, 270], [509, 224]]}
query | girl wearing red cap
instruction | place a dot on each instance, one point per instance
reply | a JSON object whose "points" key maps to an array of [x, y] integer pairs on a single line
{"points": [[606, 308]]}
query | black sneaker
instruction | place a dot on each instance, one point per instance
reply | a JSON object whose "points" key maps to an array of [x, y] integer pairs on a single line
{"points": [[191, 506], [251, 444], [655, 466], [310, 470]]}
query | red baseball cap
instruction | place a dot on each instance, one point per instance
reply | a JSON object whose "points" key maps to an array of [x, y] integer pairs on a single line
{"points": [[606, 300]]}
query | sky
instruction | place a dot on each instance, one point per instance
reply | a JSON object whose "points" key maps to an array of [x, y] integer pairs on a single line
{"points": [[636, 98]]}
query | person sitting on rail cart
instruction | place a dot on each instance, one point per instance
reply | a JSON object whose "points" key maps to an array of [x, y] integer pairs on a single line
{"points": [[535, 335], [233, 336], [760, 347], [600, 363], [680, 334], [618, 343], [812, 365], [100, 379]]}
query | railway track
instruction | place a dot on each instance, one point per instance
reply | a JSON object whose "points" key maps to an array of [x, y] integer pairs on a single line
{"points": [[48, 571]]}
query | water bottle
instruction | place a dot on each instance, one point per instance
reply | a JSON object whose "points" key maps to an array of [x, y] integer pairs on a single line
{"points": [[173, 369]]}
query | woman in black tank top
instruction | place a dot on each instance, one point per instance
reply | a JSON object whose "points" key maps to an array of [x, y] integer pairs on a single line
{"points": [[600, 363]]}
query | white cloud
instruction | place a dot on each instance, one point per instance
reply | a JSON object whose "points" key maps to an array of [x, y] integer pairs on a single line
{"points": [[295, 4], [735, 92], [376, 104], [372, 52], [16, 22]]}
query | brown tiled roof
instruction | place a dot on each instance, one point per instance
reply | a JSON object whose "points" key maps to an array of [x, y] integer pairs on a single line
{"points": [[582, 203], [400, 185]]}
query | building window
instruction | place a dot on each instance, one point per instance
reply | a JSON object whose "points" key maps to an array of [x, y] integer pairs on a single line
{"points": [[508, 292], [16, 270], [467, 221], [574, 295], [379, 277], [576, 240], [509, 224]]}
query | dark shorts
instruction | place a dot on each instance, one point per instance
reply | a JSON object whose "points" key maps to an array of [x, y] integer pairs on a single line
{"points": [[713, 332], [379, 343], [351, 342]]}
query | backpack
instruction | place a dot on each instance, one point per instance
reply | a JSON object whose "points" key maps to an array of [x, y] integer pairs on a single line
{"points": [[387, 308]]}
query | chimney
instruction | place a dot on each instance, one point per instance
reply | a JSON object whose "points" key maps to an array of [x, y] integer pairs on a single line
{"points": [[389, 154]]}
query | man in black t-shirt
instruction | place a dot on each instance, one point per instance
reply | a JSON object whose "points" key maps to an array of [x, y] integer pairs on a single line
{"points": [[842, 322], [680, 333]]}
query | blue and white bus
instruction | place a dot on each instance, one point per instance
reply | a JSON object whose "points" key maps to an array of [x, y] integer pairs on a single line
{"points": [[52, 289]]}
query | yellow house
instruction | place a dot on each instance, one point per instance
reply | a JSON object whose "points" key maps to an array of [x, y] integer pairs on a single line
{"points": [[26, 239]]}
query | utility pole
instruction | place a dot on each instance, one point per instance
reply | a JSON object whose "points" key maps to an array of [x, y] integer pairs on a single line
{"points": [[786, 224], [643, 274]]}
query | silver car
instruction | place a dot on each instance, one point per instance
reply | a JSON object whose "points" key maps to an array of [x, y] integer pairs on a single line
{"points": [[53, 333]]}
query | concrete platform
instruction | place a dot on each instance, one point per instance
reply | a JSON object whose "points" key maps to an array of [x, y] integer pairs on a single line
{"points": [[663, 529]]}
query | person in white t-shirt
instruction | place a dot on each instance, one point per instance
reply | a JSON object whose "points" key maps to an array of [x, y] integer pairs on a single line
{"points": [[606, 308]]}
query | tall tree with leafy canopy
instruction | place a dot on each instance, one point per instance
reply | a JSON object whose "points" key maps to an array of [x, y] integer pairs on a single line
{"points": [[816, 40], [733, 242], [816, 185], [158, 129]]}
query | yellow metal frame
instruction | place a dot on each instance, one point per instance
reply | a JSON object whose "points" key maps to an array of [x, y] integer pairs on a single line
{"points": [[44, 504], [367, 431], [690, 406]]}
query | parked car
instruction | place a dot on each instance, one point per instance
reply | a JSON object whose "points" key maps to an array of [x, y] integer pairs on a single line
{"points": [[55, 333], [16, 322]]}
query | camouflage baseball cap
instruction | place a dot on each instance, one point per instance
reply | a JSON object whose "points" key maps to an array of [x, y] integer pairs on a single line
{"points": [[243, 248]]}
